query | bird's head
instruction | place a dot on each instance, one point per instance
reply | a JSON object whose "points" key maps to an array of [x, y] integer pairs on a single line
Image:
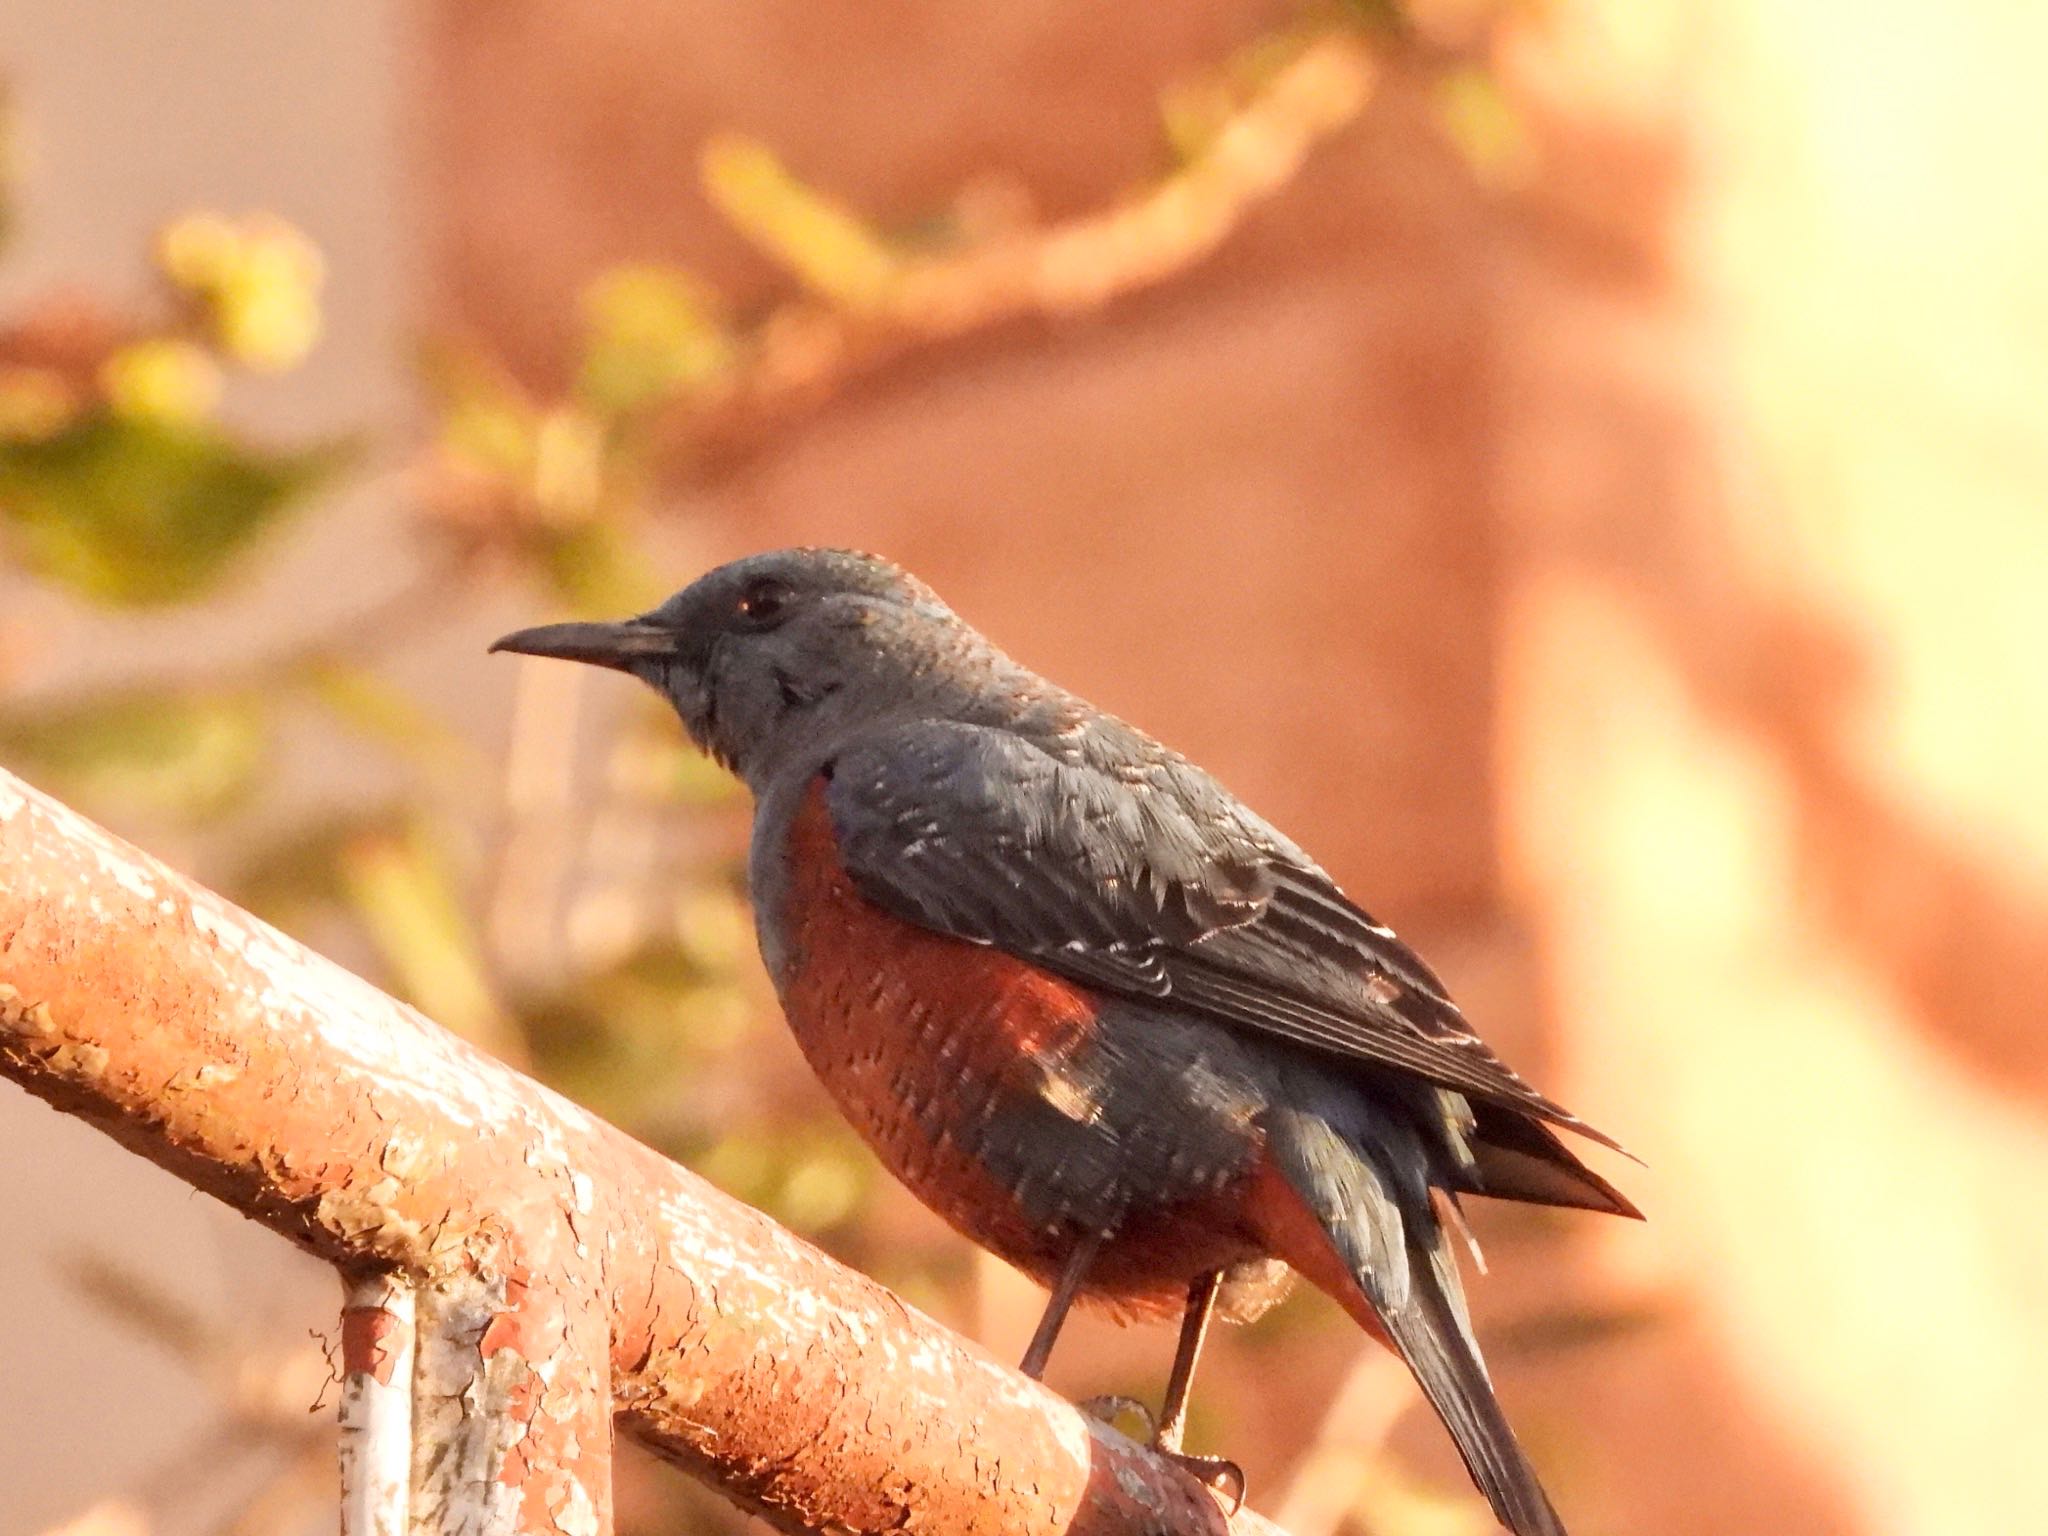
{"points": [[775, 652]]}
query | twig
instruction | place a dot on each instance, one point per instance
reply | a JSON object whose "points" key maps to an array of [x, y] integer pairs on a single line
{"points": [[807, 346]]}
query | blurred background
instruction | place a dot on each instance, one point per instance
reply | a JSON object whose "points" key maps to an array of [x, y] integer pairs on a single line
{"points": [[1577, 464]]}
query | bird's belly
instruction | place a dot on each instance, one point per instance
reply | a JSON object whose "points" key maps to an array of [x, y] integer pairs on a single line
{"points": [[1023, 1109]]}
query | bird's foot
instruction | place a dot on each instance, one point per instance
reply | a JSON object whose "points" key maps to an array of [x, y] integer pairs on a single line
{"points": [[1216, 1473], [1111, 1406]]}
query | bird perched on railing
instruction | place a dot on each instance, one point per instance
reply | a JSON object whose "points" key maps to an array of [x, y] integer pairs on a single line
{"points": [[1092, 1009]]}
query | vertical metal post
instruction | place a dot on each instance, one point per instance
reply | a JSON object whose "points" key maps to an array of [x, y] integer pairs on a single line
{"points": [[513, 1436], [377, 1333]]}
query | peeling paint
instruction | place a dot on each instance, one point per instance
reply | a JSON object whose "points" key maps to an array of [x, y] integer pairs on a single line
{"points": [[375, 1424], [574, 1513]]}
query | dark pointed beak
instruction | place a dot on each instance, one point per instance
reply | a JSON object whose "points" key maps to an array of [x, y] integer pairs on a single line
{"points": [[604, 645]]}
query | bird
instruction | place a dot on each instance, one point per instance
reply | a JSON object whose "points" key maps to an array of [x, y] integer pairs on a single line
{"points": [[1092, 1009]]}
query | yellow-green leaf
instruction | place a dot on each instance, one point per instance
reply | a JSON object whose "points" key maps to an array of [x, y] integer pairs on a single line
{"points": [[654, 334], [830, 249], [597, 570], [405, 895], [1483, 124], [810, 1177], [185, 754], [161, 378], [142, 510], [256, 282]]}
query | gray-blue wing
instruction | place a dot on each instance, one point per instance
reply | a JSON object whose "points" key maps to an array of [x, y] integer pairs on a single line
{"points": [[1128, 869]]}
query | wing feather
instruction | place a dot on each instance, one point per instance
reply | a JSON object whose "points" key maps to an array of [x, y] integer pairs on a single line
{"points": [[1117, 864]]}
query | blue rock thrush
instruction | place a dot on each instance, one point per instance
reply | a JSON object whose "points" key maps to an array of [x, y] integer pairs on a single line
{"points": [[1094, 1011]]}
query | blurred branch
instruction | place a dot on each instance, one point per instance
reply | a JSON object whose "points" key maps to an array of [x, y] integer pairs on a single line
{"points": [[869, 299], [158, 1316], [1132, 244], [565, 1271], [667, 376], [1580, 1324]]}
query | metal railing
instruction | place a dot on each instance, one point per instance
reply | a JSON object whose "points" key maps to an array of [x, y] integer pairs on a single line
{"points": [[518, 1275]]}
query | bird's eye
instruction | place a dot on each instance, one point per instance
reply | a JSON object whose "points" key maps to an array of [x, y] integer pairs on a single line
{"points": [[764, 603]]}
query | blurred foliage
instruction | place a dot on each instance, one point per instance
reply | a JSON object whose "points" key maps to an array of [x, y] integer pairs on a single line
{"points": [[184, 754], [252, 287], [402, 887], [559, 487], [636, 1032], [117, 479], [370, 705], [1483, 125], [127, 506], [652, 334], [126, 484]]}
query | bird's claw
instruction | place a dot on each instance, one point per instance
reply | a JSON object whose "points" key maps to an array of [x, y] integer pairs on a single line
{"points": [[1213, 1472], [1216, 1473], [1111, 1406]]}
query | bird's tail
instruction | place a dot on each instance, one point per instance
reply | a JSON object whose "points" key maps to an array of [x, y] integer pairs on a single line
{"points": [[1357, 1222]]}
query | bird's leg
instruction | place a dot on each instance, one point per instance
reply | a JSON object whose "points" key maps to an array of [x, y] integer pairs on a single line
{"points": [[1194, 1328], [1173, 1417], [1057, 1305]]}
